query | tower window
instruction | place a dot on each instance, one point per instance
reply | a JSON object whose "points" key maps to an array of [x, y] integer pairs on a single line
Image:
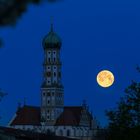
{"points": [[59, 74], [48, 74], [49, 59], [54, 52], [48, 117], [48, 82], [48, 102], [54, 73], [54, 59], [48, 67]]}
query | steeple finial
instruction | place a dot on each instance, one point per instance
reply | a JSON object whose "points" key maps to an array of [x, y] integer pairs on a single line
{"points": [[51, 24]]}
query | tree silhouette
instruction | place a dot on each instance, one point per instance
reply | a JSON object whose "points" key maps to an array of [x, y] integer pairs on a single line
{"points": [[2, 94], [124, 121], [12, 10]]}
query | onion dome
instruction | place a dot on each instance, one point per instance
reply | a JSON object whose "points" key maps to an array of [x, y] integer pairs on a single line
{"points": [[51, 40]]}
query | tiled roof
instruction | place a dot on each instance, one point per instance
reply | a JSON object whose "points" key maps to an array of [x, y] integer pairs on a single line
{"points": [[70, 116], [27, 115]]}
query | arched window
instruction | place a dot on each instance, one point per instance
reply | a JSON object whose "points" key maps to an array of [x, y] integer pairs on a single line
{"points": [[68, 132], [48, 131], [43, 93], [61, 133], [54, 73]]}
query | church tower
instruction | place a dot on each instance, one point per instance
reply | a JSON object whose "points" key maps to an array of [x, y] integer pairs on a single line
{"points": [[52, 96]]}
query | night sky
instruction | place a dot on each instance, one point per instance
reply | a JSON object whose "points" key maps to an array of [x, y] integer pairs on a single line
{"points": [[96, 35]]}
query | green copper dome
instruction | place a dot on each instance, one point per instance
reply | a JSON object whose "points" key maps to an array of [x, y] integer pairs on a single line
{"points": [[51, 40]]}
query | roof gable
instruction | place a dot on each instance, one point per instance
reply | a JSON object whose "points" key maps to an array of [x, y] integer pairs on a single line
{"points": [[27, 115], [30, 115], [70, 116]]}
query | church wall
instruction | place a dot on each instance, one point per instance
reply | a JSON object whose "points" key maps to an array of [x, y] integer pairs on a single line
{"points": [[74, 132], [68, 131]]}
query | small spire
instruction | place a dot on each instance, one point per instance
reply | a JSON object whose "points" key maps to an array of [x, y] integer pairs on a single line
{"points": [[24, 101], [84, 104], [19, 105]]}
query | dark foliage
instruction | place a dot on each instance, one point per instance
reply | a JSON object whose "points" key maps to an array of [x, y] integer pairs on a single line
{"points": [[124, 121], [2, 94], [11, 10]]}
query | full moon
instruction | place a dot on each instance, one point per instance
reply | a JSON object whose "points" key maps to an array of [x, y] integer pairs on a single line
{"points": [[105, 78]]}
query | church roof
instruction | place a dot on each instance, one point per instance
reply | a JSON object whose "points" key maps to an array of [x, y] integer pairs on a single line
{"points": [[70, 116], [30, 115], [27, 115], [51, 40]]}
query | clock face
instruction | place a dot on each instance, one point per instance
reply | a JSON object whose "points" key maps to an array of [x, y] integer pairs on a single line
{"points": [[48, 74]]}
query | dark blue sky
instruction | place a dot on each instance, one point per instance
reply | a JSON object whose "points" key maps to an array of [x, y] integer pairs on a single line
{"points": [[96, 35]]}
